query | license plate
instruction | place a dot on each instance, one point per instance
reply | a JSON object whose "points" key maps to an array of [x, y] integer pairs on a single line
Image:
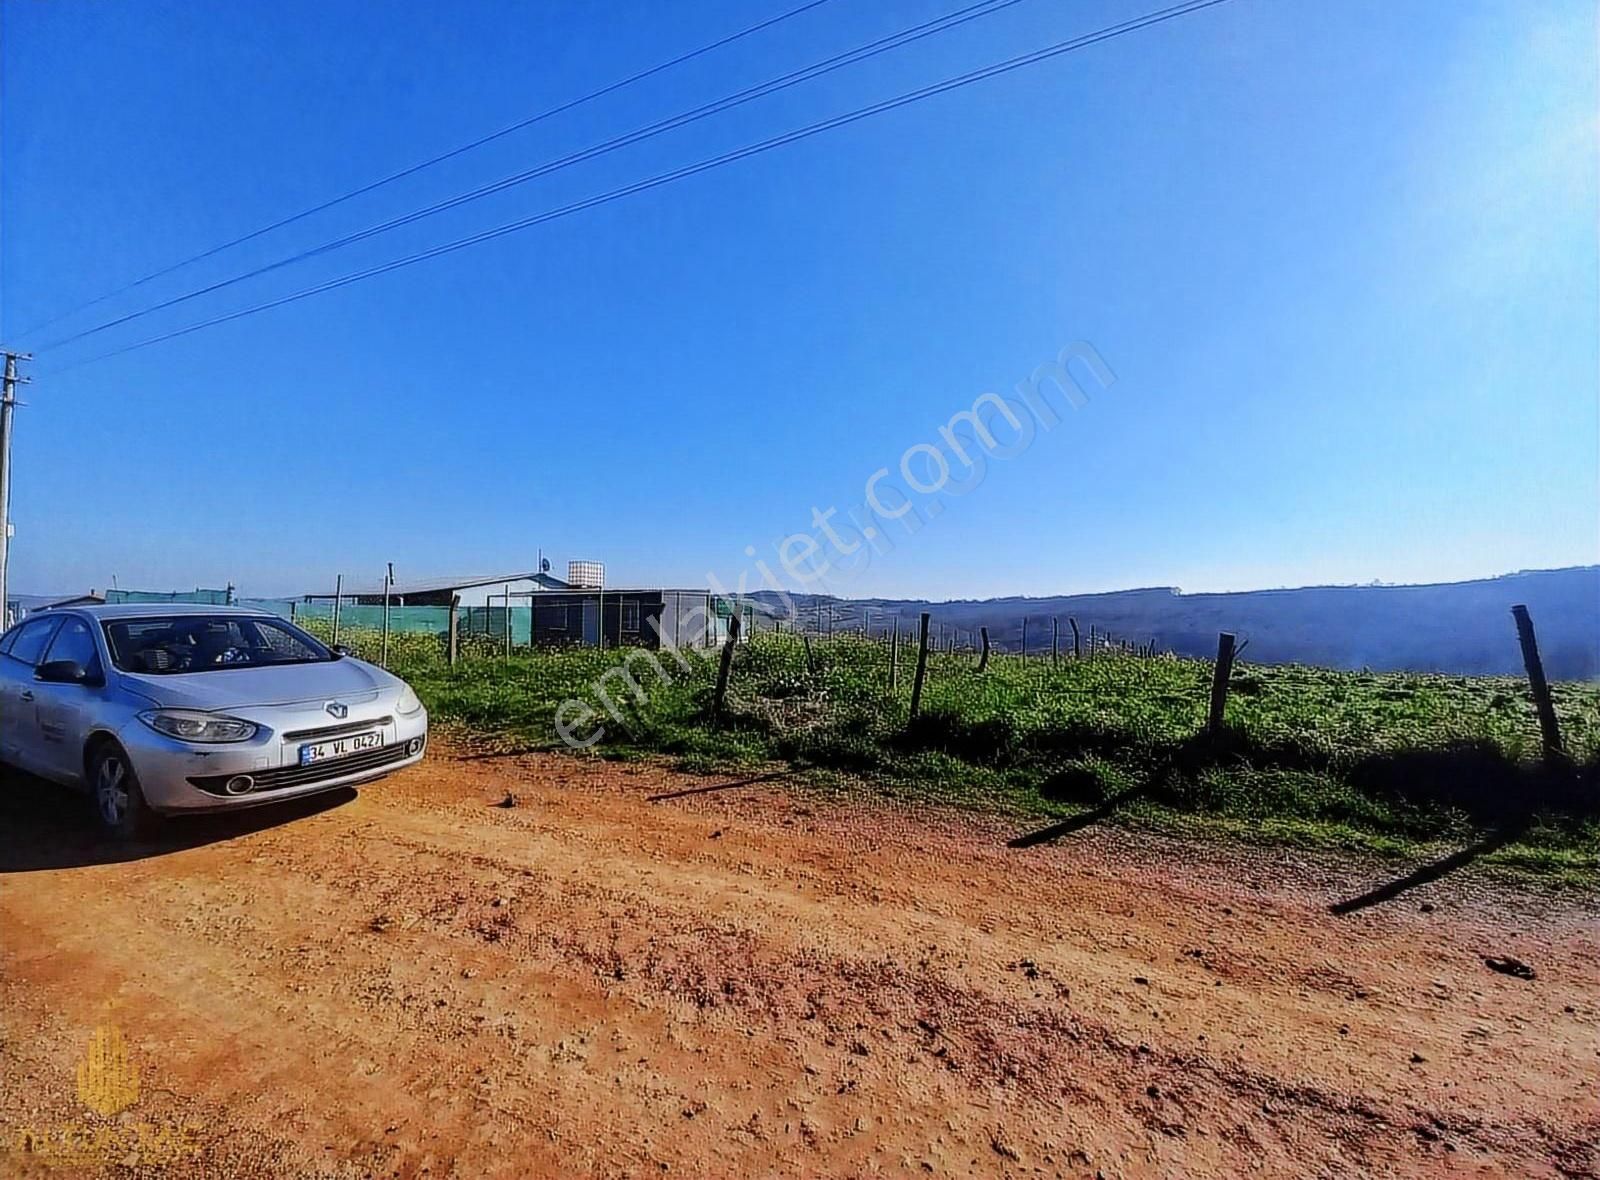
{"points": [[339, 747]]}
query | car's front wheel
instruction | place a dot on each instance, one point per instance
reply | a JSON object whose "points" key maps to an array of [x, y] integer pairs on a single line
{"points": [[118, 799]]}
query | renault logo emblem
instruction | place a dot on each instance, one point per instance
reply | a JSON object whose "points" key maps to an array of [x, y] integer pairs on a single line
{"points": [[337, 709]]}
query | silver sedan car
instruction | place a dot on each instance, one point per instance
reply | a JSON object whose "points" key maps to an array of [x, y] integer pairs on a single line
{"points": [[181, 709]]}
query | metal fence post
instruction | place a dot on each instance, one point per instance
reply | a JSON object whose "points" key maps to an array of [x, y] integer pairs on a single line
{"points": [[388, 585]]}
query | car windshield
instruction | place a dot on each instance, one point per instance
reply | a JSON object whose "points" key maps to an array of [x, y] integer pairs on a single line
{"points": [[208, 643]]}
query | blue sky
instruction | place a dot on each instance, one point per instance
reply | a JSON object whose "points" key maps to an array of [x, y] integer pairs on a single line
{"points": [[1341, 257]]}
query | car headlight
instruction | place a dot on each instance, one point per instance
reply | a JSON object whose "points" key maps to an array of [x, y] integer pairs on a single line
{"points": [[188, 725], [409, 703]]}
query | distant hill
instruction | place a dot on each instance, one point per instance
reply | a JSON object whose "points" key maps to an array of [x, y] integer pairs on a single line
{"points": [[1458, 627]]}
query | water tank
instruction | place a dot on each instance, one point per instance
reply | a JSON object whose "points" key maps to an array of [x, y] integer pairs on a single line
{"points": [[587, 575]]}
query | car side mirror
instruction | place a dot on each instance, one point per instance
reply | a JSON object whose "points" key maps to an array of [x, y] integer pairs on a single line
{"points": [[340, 651], [64, 672]]}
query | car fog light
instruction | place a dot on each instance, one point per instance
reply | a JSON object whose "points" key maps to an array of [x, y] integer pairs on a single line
{"points": [[414, 746], [239, 784]]}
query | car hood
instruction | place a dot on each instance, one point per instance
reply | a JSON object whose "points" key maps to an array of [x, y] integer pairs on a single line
{"points": [[283, 684]]}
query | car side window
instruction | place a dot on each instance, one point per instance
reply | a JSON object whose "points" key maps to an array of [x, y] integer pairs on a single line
{"points": [[75, 642], [31, 639]]}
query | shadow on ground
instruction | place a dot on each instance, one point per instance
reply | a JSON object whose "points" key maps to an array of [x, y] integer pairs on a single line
{"points": [[1500, 797], [1077, 822], [1424, 874], [520, 752], [44, 826], [755, 780]]}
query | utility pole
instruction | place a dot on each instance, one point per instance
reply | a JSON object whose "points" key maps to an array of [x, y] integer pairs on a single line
{"points": [[7, 403]]}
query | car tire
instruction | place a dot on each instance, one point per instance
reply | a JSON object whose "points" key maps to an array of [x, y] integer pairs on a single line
{"points": [[119, 802]]}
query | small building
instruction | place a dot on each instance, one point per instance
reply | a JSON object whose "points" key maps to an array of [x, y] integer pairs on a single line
{"points": [[534, 606], [18, 606], [459, 591], [632, 617]]}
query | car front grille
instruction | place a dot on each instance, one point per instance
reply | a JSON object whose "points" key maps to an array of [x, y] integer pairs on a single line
{"points": [[327, 731], [299, 776]]}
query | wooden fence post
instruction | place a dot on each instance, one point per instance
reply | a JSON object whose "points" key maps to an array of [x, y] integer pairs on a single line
{"points": [[983, 660], [726, 666], [1024, 637], [338, 593], [1549, 727], [1077, 646], [1055, 641], [453, 640], [508, 620], [894, 655], [1219, 682], [922, 667], [811, 660]]}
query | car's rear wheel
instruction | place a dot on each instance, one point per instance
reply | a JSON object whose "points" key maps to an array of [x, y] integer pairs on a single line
{"points": [[118, 800]]}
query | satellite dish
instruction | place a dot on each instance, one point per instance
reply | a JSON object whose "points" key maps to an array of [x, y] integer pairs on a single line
{"points": [[544, 565]]}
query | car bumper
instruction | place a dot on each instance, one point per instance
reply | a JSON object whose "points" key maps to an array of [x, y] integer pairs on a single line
{"points": [[180, 778]]}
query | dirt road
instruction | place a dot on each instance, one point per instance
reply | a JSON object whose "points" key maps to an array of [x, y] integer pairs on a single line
{"points": [[741, 980]]}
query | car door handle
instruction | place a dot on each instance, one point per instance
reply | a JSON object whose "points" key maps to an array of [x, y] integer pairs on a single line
{"points": [[27, 694]]}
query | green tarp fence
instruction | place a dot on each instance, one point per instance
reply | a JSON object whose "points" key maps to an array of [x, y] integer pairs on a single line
{"points": [[203, 597]]}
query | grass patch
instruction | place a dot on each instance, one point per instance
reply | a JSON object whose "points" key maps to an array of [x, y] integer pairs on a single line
{"points": [[1389, 763]]}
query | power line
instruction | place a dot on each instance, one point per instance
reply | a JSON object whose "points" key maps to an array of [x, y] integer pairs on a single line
{"points": [[794, 78], [431, 161], [1111, 31]]}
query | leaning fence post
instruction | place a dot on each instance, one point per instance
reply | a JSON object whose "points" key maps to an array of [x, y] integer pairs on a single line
{"points": [[983, 660], [1549, 727], [922, 667], [726, 666], [1219, 682], [1077, 645], [894, 655], [338, 592]]}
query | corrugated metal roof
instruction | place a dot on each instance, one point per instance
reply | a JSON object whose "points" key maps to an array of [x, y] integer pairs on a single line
{"points": [[434, 585]]}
